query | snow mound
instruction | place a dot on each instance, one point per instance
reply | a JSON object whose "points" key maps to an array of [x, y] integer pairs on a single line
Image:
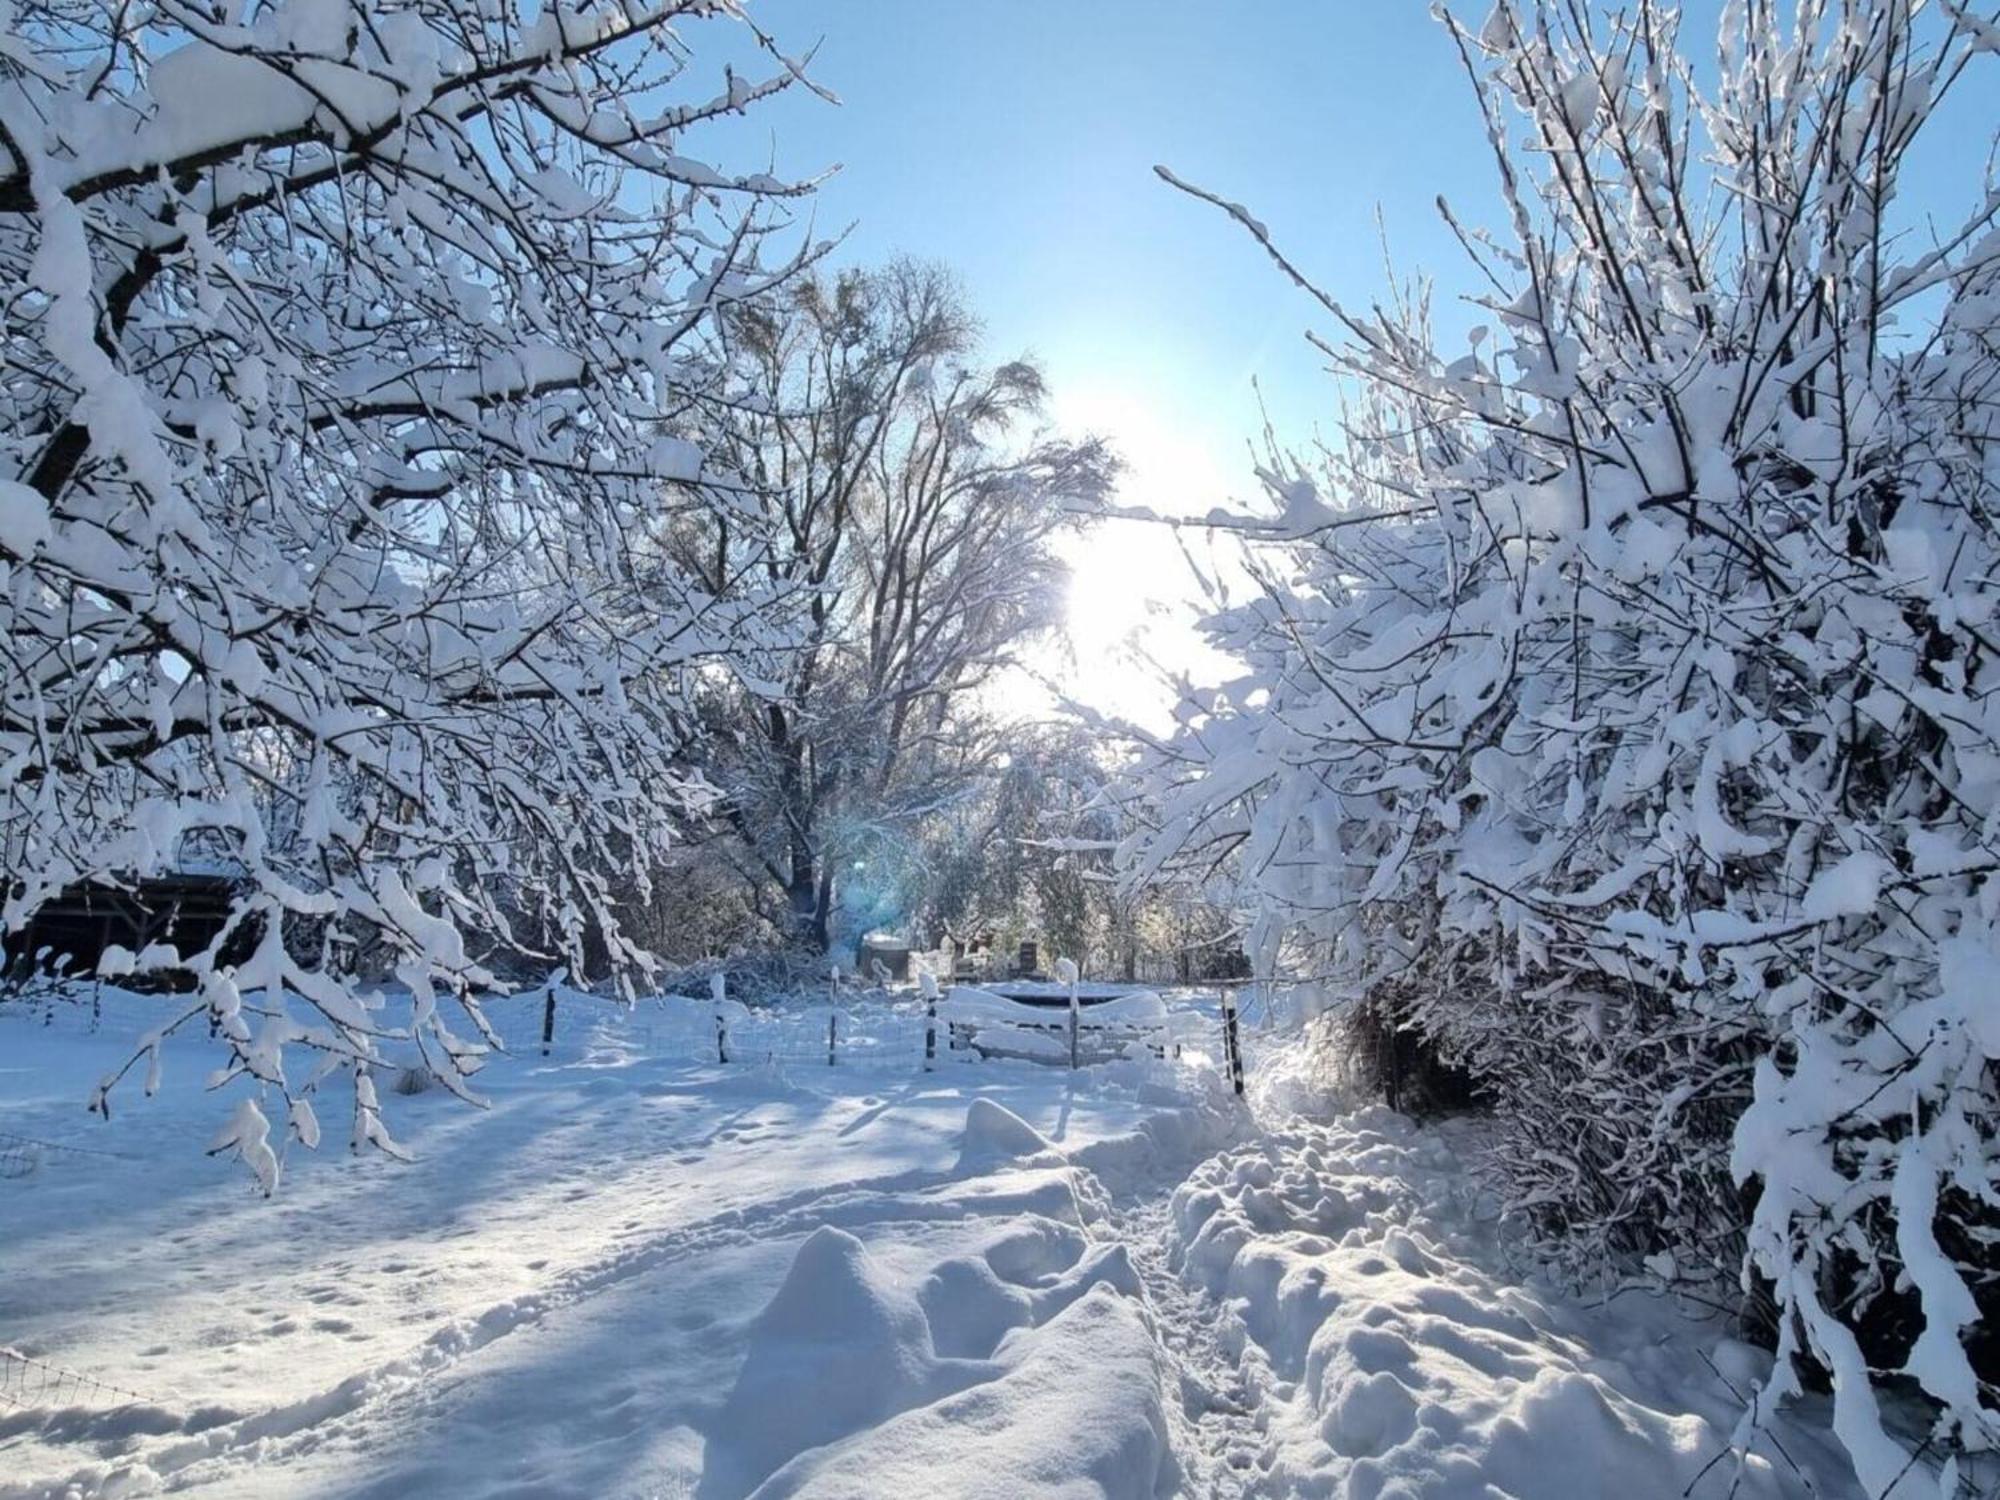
{"points": [[835, 1294], [1397, 1353], [995, 1133], [1078, 1409], [971, 1309], [1026, 1275], [1174, 1132], [1106, 1265], [843, 1345]]}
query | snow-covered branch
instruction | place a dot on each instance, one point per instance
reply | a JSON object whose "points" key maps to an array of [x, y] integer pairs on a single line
{"points": [[1620, 718], [358, 362]]}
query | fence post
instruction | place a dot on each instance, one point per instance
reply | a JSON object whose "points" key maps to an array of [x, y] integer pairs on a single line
{"points": [[549, 1008], [1232, 1044], [1066, 971], [718, 991], [927, 983], [1385, 1064], [832, 1021]]}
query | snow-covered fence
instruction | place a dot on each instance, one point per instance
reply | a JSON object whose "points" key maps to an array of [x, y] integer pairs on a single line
{"points": [[923, 1033], [881, 1028], [804, 1035], [1139, 1024]]}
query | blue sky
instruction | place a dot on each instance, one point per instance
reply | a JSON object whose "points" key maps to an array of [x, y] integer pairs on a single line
{"points": [[1015, 141]]}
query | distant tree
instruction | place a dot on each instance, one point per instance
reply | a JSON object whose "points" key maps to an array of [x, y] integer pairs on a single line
{"points": [[1030, 856], [1003, 861], [352, 380], [906, 499], [1618, 704]]}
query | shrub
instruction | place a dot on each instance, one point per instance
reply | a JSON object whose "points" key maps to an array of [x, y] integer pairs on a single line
{"points": [[1618, 720]]}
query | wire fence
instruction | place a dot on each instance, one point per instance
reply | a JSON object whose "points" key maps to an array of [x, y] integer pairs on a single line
{"points": [[21, 1155], [914, 1037], [813, 1036], [29, 1382]]}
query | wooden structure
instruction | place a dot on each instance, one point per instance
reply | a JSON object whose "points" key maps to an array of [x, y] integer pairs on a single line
{"points": [[891, 953], [69, 932]]}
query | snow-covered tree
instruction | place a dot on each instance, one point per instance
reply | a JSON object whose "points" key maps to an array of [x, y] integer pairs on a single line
{"points": [[354, 373], [1000, 863], [907, 500], [1619, 705]]}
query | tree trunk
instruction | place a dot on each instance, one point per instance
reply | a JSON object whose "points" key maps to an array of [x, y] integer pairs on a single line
{"points": [[809, 898], [802, 901], [822, 929]]}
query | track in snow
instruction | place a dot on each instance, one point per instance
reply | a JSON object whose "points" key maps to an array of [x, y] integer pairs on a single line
{"points": [[1221, 1436]]}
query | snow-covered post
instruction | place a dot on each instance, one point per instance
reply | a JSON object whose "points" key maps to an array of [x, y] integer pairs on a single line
{"points": [[718, 992], [927, 985], [556, 977], [1066, 972], [1232, 1044]]}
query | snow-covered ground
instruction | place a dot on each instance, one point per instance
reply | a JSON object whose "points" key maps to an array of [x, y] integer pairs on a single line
{"points": [[642, 1276]]}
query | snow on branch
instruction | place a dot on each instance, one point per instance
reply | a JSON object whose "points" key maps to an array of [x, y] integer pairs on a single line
{"points": [[359, 361], [1631, 740]]}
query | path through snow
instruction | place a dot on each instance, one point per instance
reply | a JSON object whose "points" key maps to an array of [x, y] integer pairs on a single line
{"points": [[634, 1278], [1386, 1341]]}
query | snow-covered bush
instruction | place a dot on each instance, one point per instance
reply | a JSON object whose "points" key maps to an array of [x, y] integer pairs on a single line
{"points": [[1619, 705], [764, 976], [354, 371]]}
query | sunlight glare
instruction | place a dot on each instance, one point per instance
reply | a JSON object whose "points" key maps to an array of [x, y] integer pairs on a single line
{"points": [[1132, 598]]}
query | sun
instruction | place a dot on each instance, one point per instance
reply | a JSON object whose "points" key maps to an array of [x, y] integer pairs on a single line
{"points": [[1132, 598]]}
